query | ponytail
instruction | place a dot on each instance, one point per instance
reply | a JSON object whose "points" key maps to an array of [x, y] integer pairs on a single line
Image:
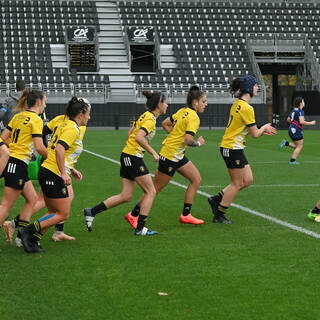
{"points": [[194, 94], [21, 106], [153, 99], [28, 99], [234, 87]]}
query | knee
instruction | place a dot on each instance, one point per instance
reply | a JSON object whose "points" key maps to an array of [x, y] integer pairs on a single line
{"points": [[126, 197], [247, 182], [196, 181], [64, 215], [151, 192]]}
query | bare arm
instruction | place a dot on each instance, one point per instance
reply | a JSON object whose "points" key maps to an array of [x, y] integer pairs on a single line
{"points": [[265, 129], [167, 125], [140, 138], [131, 130], [4, 157], [6, 134], [190, 142], [40, 147], [307, 123], [60, 158]]}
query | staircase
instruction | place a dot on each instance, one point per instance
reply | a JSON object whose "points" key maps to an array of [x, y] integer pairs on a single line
{"points": [[113, 59]]}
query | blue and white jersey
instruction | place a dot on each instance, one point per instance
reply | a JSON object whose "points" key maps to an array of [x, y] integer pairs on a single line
{"points": [[294, 118]]}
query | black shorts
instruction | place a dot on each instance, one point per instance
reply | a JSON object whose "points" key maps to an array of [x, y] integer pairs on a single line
{"points": [[52, 185], [169, 167], [234, 159], [16, 174], [132, 167]]}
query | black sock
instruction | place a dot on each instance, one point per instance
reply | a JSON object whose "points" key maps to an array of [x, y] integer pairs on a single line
{"points": [[22, 223], [292, 160], [222, 209], [59, 227], [315, 210], [141, 221], [287, 143], [98, 208], [220, 195], [136, 210], [35, 229], [186, 209]]}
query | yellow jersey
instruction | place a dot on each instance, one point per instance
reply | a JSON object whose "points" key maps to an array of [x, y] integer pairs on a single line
{"points": [[146, 122], [241, 118], [70, 135], [24, 126], [1, 142], [55, 123], [185, 121]]}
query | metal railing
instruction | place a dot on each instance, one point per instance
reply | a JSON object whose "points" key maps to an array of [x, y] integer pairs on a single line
{"points": [[98, 92]]}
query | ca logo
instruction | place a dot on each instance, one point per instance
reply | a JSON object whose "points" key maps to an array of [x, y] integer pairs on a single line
{"points": [[140, 33], [80, 32]]}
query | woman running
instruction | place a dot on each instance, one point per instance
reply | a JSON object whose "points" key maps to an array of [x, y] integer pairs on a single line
{"points": [[241, 122], [297, 121], [133, 170], [54, 174], [23, 135], [181, 128]]}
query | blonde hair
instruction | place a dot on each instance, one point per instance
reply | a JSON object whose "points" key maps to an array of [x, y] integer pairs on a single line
{"points": [[28, 99]]}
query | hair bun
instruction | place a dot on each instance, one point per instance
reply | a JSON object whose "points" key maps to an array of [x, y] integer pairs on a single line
{"points": [[147, 94]]}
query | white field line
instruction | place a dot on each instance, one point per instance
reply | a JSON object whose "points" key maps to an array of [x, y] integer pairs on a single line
{"points": [[248, 210], [283, 162], [269, 185]]}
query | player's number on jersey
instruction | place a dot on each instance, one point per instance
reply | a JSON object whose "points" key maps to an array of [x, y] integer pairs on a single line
{"points": [[54, 142], [230, 120], [15, 135], [27, 120]]}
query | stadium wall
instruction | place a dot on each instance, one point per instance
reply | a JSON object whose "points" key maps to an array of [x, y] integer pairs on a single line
{"points": [[119, 115]]}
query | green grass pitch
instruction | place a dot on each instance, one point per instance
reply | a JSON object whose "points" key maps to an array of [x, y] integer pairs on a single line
{"points": [[252, 269]]}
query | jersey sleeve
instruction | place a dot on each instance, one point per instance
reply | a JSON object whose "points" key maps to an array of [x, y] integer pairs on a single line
{"points": [[247, 115], [148, 125], [301, 113], [193, 125], [51, 124], [9, 126], [68, 137], [36, 127]]}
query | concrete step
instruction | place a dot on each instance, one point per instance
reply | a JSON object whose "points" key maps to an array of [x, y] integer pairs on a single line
{"points": [[115, 27], [106, 45], [113, 46], [108, 16], [112, 22], [167, 59], [107, 4], [114, 59], [120, 78], [107, 10], [106, 39], [59, 58], [114, 52], [107, 34], [118, 71], [122, 85], [118, 64], [111, 33]]}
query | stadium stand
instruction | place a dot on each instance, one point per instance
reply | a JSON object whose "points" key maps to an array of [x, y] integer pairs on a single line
{"points": [[207, 41], [28, 30]]}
